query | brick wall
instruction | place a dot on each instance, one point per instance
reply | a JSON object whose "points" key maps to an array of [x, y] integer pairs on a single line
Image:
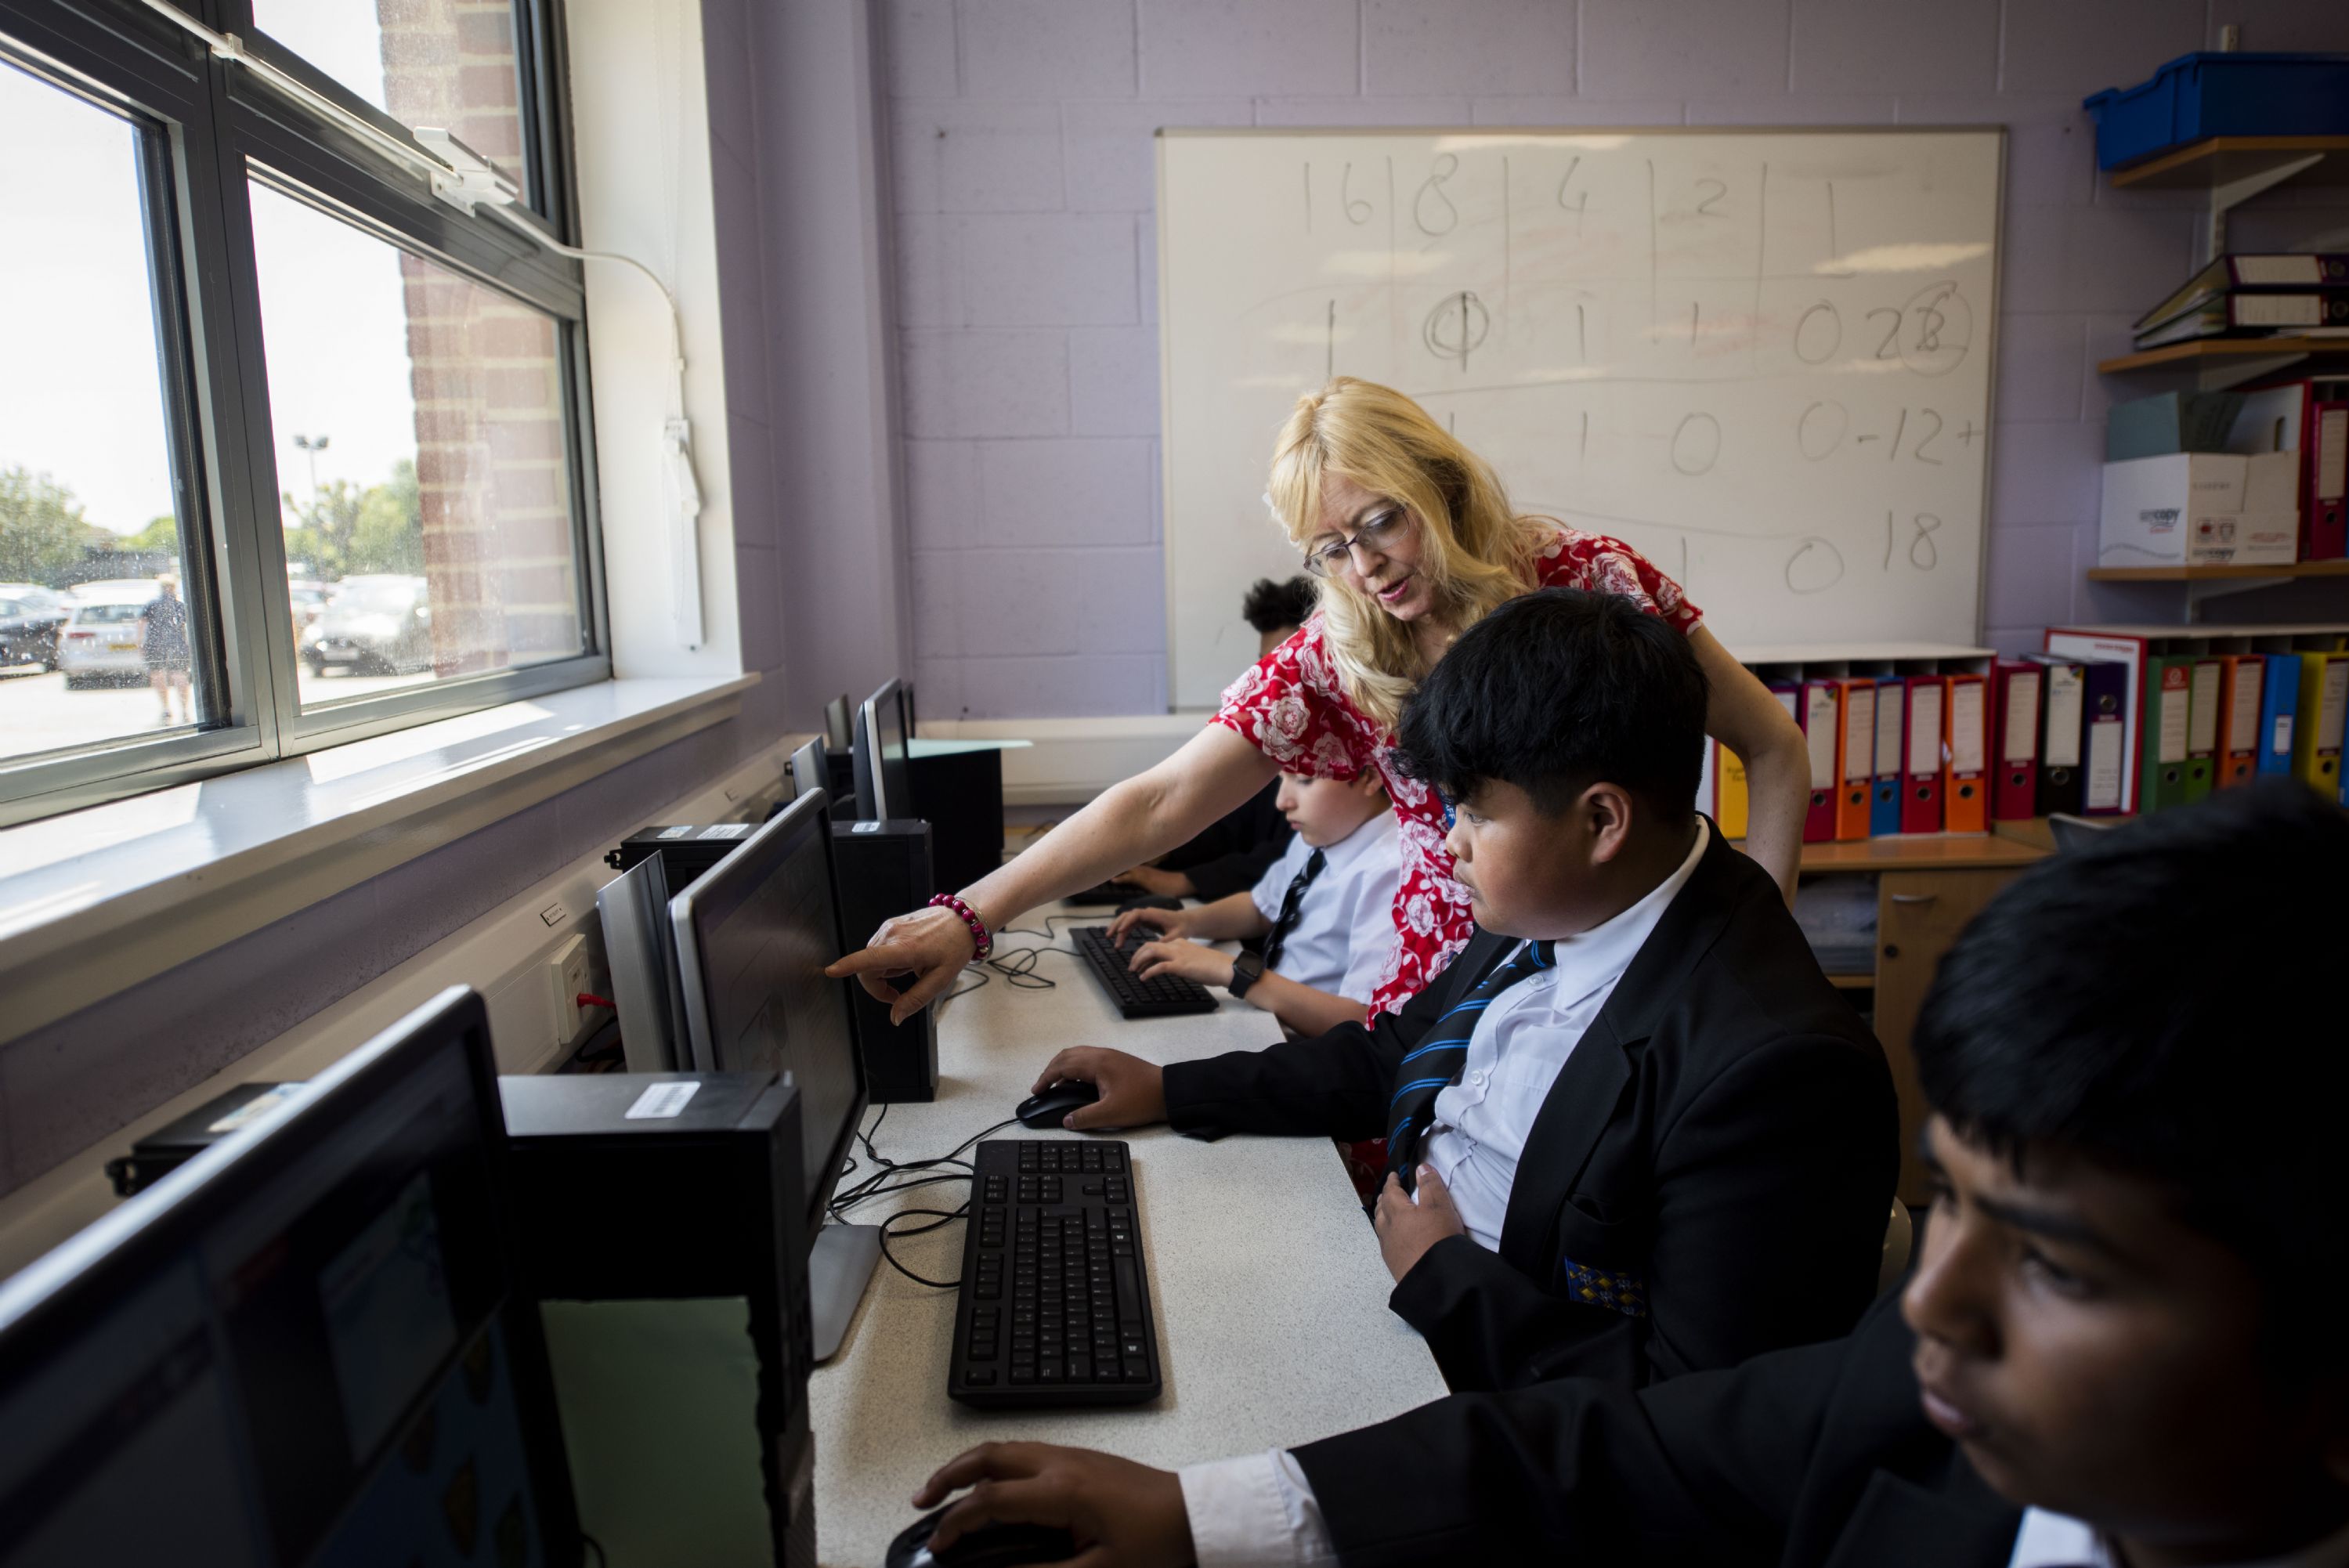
{"points": [[489, 464], [1021, 168]]}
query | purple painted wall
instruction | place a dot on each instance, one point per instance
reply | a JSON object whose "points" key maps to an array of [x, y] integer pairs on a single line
{"points": [[1020, 170]]}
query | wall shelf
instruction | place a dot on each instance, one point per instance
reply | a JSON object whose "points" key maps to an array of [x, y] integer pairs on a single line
{"points": [[2217, 162], [2215, 364], [2217, 574]]}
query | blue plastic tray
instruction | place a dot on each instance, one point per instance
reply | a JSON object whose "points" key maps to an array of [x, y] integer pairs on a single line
{"points": [[2211, 94]]}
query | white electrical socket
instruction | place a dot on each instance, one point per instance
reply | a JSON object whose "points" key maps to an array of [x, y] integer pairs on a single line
{"points": [[567, 972]]}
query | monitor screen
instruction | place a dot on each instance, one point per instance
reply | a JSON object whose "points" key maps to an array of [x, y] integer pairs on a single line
{"points": [[753, 934], [811, 771], [305, 1346], [884, 771]]}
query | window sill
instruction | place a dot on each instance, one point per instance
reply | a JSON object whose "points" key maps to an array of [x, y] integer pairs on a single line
{"points": [[99, 900]]}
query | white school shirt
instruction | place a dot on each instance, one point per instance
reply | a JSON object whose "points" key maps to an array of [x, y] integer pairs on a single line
{"points": [[1257, 1511], [1520, 1045], [2053, 1541], [1345, 928]]}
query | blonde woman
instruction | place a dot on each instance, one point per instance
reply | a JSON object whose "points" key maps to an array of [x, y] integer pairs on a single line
{"points": [[1413, 540]]}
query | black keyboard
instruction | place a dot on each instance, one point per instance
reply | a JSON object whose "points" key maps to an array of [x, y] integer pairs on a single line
{"points": [[1135, 998], [1055, 1304]]}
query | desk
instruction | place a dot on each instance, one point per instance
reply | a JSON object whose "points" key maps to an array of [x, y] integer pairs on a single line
{"points": [[1273, 1328]]}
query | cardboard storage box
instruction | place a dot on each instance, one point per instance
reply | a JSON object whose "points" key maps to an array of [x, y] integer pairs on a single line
{"points": [[2202, 509]]}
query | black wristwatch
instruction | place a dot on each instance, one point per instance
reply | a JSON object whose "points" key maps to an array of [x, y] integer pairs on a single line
{"points": [[1247, 968]]}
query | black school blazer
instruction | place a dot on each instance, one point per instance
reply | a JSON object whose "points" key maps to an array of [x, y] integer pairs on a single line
{"points": [[1814, 1458], [1724, 1131]]}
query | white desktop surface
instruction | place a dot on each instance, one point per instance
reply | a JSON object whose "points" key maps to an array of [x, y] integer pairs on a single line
{"points": [[1264, 1280]]}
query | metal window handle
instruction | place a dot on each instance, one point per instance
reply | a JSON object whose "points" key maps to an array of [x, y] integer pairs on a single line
{"points": [[1914, 897]]}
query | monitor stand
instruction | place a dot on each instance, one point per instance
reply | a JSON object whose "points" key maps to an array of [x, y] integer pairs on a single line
{"points": [[840, 1265]]}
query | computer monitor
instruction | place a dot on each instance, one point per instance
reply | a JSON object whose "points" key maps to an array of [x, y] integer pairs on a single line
{"points": [[811, 770], [304, 1346], [882, 754], [837, 724], [753, 934], [640, 953]]}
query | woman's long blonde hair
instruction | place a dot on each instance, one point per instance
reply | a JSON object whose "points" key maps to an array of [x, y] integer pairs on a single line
{"points": [[1475, 552]]}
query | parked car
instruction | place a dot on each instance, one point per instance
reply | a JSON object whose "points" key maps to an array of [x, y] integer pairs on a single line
{"points": [[30, 619], [99, 643], [375, 624], [307, 598]]}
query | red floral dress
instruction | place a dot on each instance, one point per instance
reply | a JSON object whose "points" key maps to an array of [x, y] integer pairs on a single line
{"points": [[1291, 706]]}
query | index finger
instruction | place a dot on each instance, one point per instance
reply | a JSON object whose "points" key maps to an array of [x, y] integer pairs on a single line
{"points": [[1061, 1066], [882, 957], [985, 1462]]}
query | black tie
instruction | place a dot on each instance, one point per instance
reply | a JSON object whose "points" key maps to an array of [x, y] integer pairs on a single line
{"points": [[1440, 1058], [1291, 903]]}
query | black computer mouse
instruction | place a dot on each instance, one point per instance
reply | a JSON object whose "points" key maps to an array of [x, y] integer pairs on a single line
{"points": [[996, 1546], [1046, 1109]]}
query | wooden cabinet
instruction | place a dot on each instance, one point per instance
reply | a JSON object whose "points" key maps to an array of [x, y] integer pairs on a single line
{"points": [[1917, 915], [1926, 888]]}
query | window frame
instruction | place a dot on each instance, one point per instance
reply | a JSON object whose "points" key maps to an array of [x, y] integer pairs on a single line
{"points": [[219, 128]]}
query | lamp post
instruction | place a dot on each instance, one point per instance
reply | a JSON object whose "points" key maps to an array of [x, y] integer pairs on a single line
{"points": [[313, 446]]}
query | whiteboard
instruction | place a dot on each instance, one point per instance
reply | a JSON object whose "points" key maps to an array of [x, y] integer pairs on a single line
{"points": [[1761, 358]]}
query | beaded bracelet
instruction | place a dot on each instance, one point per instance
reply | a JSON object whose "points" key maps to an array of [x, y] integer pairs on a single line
{"points": [[978, 936]]}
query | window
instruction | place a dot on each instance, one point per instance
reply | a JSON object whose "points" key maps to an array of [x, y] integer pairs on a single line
{"points": [[292, 451]]}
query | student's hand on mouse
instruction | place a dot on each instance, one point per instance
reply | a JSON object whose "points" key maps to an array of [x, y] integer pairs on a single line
{"points": [[1165, 922], [1124, 1515], [1407, 1229], [1132, 1091], [1151, 879], [1176, 956], [929, 944]]}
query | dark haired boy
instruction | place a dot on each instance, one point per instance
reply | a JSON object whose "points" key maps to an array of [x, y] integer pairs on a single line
{"points": [[1645, 1134], [2121, 1344], [1233, 853]]}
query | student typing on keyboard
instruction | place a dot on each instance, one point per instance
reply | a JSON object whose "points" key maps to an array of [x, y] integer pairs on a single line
{"points": [[1325, 911], [1651, 1139]]}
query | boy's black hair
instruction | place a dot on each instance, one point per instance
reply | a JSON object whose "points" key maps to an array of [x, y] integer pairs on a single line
{"points": [[1271, 605], [2168, 1002], [1559, 690]]}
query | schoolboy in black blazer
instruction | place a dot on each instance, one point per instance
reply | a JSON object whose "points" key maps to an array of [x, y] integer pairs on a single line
{"points": [[2121, 1344], [1708, 1173]]}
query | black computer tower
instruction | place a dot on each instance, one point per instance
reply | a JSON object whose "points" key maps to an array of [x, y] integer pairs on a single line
{"points": [[884, 870], [960, 795], [658, 1214]]}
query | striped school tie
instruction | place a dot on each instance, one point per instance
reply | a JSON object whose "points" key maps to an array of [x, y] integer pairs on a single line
{"points": [[1291, 902], [1437, 1062]]}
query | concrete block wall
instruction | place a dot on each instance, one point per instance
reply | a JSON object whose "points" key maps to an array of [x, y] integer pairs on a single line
{"points": [[1019, 167]]}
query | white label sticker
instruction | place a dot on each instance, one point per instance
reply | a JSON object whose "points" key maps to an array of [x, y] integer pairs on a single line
{"points": [[2334, 697], [1888, 730], [1925, 728], [2243, 707], [661, 1101], [2067, 686], [1966, 728], [2266, 271], [257, 1108], [2170, 718], [1859, 732], [2104, 788], [2022, 717], [2202, 709], [675, 832], [1820, 732], [2282, 736], [726, 831], [2332, 453]]}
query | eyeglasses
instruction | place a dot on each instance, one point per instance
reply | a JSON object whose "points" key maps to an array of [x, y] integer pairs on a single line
{"points": [[1375, 535]]}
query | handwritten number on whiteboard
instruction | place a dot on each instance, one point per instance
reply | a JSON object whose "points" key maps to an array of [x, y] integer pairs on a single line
{"points": [[1704, 208], [1580, 205], [1821, 327], [1446, 214], [1890, 347], [1923, 553], [1929, 437], [1358, 208]]}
